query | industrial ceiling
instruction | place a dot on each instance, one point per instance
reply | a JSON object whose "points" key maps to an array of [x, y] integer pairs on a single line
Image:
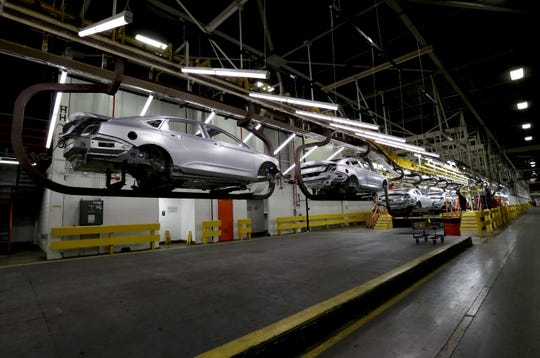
{"points": [[434, 72]]}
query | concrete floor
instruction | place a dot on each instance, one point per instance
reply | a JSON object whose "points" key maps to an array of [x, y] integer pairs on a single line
{"points": [[189, 301]]}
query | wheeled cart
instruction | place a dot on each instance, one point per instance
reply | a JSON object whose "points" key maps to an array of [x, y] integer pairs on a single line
{"points": [[427, 227]]}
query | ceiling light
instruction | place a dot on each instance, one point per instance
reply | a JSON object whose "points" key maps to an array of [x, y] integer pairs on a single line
{"points": [[9, 161], [227, 72], [56, 108], [522, 105], [293, 100], [337, 119], [121, 19], [248, 137], [336, 153], [151, 42], [291, 137], [516, 74], [368, 134], [375, 135], [408, 147], [528, 138], [526, 126], [210, 116], [301, 158], [146, 105]]}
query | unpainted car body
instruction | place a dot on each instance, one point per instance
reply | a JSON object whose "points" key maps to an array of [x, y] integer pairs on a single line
{"points": [[405, 200], [446, 202], [346, 175], [164, 151]]}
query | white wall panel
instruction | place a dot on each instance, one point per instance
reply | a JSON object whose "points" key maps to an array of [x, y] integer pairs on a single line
{"points": [[239, 212], [179, 218], [281, 203]]}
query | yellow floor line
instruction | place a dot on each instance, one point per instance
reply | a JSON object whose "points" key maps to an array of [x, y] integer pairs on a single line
{"points": [[288, 324]]}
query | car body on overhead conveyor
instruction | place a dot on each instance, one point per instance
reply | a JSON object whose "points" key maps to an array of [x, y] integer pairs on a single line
{"points": [[164, 152], [350, 176], [403, 200]]}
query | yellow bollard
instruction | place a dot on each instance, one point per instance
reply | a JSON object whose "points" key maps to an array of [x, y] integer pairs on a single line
{"points": [[189, 238], [167, 237]]}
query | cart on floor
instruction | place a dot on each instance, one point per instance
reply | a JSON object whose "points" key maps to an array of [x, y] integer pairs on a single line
{"points": [[427, 227]]}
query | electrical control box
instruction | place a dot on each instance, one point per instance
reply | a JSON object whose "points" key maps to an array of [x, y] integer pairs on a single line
{"points": [[91, 212]]}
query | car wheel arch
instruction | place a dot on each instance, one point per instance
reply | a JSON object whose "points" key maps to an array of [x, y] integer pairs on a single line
{"points": [[268, 167]]}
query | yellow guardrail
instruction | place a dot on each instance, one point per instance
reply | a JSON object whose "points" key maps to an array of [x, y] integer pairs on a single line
{"points": [[210, 228], [298, 223], [110, 240], [244, 229], [489, 220]]}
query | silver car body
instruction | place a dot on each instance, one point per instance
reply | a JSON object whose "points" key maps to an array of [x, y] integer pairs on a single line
{"points": [[405, 200], [352, 174], [201, 155]]}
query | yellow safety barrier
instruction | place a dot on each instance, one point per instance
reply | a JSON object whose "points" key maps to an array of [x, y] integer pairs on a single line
{"points": [[489, 220], [167, 237], [110, 240], [244, 228], [208, 229], [476, 221], [189, 238], [298, 223]]}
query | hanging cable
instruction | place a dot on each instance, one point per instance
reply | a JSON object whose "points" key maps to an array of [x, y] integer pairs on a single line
{"points": [[422, 89], [333, 46], [240, 37]]}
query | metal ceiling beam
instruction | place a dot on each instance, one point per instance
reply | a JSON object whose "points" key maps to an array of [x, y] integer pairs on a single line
{"points": [[393, 4], [225, 14], [384, 66], [525, 149], [470, 6]]}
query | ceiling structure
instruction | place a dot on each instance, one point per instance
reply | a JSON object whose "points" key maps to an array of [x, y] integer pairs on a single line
{"points": [[433, 72]]}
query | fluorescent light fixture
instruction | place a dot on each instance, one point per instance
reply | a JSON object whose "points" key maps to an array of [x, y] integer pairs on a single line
{"points": [[301, 158], [375, 135], [526, 126], [289, 169], [341, 120], [516, 74], [336, 153], [522, 105], [56, 108], [453, 175], [210, 116], [120, 19], [9, 161], [146, 105], [278, 149], [227, 72], [528, 138], [150, 41], [308, 153], [408, 147], [248, 137], [293, 100]]}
